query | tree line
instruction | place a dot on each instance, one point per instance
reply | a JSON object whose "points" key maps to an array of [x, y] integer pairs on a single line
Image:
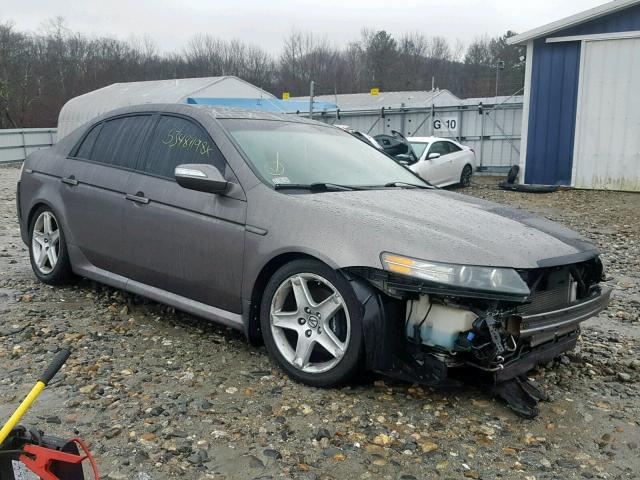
{"points": [[40, 71]]}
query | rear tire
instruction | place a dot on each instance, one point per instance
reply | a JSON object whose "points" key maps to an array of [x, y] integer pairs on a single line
{"points": [[465, 176], [48, 249], [311, 323]]}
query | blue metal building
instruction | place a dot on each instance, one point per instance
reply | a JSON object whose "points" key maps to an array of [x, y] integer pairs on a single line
{"points": [[581, 119]]}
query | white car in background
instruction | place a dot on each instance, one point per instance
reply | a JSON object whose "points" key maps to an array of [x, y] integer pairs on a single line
{"points": [[360, 135], [442, 161]]}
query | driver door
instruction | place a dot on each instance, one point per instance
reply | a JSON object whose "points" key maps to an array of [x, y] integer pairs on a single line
{"points": [[186, 242], [435, 170]]}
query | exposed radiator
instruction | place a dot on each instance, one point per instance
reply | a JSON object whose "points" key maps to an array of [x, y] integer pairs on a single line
{"points": [[550, 299]]}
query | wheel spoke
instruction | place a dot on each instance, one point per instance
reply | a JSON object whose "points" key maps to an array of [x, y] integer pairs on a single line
{"points": [[54, 237], [304, 347], [42, 257], [301, 292], [38, 237], [328, 307], [331, 344], [47, 223], [288, 320], [53, 257]]}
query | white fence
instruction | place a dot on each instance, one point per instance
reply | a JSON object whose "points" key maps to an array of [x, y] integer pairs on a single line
{"points": [[17, 143], [494, 134]]}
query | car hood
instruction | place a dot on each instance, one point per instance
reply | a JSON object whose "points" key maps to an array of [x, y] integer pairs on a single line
{"points": [[352, 228]]}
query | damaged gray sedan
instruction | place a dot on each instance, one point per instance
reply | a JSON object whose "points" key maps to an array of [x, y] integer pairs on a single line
{"points": [[311, 241]]}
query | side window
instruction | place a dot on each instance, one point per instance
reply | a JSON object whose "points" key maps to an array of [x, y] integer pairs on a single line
{"points": [[84, 151], [453, 147], [439, 147], [120, 139], [177, 141]]}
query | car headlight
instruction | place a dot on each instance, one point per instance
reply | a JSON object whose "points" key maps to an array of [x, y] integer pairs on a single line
{"points": [[504, 280]]}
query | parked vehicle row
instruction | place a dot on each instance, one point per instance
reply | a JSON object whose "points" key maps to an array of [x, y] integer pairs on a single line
{"points": [[308, 239]]}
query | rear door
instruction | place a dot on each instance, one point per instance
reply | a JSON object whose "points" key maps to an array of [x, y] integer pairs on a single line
{"points": [[186, 242], [94, 180]]}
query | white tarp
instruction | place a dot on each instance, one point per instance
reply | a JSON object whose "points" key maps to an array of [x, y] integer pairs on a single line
{"points": [[83, 108], [365, 101]]}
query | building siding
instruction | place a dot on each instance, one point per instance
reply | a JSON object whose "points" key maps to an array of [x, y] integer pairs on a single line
{"points": [[552, 112], [553, 99]]}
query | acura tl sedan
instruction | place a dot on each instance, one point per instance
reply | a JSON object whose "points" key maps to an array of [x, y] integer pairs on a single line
{"points": [[309, 240]]}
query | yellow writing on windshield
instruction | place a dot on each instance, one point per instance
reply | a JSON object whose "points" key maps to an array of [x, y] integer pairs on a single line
{"points": [[177, 138]]}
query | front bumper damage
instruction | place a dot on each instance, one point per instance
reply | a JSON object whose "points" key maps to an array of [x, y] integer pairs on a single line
{"points": [[551, 333], [501, 342]]}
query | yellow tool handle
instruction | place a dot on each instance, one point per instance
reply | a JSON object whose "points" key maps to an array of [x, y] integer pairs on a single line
{"points": [[46, 377], [21, 410]]}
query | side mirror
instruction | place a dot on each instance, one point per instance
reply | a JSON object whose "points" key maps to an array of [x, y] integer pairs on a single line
{"points": [[404, 159], [201, 177], [433, 155]]}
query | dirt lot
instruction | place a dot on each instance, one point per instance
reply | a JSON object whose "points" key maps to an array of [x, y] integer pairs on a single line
{"points": [[160, 394]]}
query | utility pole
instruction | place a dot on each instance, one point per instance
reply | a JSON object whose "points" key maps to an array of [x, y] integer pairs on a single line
{"points": [[311, 85], [482, 113], [431, 119], [498, 66]]}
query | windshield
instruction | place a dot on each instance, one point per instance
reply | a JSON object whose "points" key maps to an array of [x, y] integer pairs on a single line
{"points": [[419, 148], [304, 154]]}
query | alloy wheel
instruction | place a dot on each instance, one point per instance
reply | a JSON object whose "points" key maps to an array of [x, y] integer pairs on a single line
{"points": [[310, 323], [45, 242]]}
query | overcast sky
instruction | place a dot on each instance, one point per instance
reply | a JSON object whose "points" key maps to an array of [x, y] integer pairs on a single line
{"points": [[170, 23]]}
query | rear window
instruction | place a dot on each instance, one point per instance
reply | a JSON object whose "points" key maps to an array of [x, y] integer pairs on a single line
{"points": [[453, 148], [178, 141], [119, 140], [87, 144]]}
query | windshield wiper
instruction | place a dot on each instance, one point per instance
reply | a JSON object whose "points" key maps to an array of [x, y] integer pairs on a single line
{"points": [[406, 184], [315, 187]]}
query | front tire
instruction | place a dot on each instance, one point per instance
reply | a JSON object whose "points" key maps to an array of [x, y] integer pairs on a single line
{"points": [[465, 176], [48, 249], [311, 324]]}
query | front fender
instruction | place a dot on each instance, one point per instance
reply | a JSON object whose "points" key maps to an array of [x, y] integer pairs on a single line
{"points": [[387, 349], [377, 326]]}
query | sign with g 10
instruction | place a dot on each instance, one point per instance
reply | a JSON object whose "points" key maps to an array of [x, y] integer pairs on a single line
{"points": [[446, 126]]}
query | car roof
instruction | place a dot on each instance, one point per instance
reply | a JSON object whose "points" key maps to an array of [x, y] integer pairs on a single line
{"points": [[429, 139], [206, 110]]}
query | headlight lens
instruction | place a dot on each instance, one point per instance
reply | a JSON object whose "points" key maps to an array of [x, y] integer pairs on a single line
{"points": [[503, 280]]}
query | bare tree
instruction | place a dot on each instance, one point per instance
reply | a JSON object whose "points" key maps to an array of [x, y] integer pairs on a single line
{"points": [[307, 57], [40, 71]]}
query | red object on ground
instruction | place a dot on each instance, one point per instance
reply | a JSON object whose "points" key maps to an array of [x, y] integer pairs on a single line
{"points": [[41, 459]]}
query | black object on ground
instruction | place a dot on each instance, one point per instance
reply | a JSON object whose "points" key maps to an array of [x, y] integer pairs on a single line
{"points": [[510, 184], [522, 395]]}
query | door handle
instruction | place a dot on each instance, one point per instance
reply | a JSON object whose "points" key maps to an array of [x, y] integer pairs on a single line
{"points": [[71, 180], [138, 197]]}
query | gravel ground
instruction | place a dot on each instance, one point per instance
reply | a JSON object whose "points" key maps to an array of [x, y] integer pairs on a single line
{"points": [[159, 394]]}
